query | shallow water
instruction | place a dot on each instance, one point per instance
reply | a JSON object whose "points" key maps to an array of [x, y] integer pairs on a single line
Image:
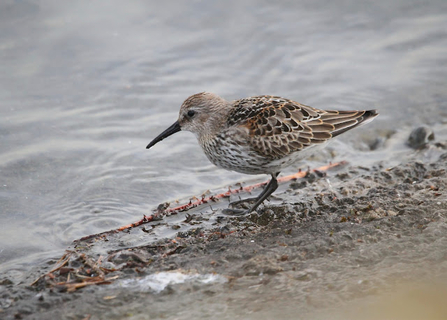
{"points": [[85, 86]]}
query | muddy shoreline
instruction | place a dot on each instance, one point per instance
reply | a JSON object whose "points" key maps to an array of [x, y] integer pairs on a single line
{"points": [[327, 241]]}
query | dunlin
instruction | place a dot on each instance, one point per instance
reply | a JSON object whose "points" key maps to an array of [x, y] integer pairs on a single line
{"points": [[260, 135]]}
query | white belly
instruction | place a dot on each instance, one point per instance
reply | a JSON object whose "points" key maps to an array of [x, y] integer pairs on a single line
{"points": [[245, 160]]}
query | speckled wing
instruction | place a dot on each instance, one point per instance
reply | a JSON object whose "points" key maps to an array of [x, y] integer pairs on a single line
{"points": [[278, 127]]}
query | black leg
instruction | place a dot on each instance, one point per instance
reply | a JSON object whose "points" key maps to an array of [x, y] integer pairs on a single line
{"points": [[268, 190]]}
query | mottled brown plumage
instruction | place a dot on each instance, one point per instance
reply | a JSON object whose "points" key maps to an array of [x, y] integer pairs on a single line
{"points": [[263, 134], [278, 126]]}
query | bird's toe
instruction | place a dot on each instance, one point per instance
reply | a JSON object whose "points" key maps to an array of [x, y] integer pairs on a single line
{"points": [[234, 212]]}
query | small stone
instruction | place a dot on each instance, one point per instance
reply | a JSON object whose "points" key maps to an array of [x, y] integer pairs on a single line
{"points": [[5, 282], [372, 215], [392, 213], [298, 185], [420, 137], [284, 258]]}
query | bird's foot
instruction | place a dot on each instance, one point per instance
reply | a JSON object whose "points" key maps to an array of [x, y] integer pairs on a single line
{"points": [[243, 202], [244, 207], [234, 212]]}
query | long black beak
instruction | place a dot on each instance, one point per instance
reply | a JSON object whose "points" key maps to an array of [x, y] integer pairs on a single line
{"points": [[169, 131]]}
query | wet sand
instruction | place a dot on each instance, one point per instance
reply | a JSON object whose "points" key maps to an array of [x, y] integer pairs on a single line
{"points": [[328, 246]]}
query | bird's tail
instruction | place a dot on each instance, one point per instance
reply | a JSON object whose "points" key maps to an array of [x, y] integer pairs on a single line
{"points": [[347, 120]]}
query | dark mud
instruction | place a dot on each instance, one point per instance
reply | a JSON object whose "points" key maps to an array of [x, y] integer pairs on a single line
{"points": [[317, 250]]}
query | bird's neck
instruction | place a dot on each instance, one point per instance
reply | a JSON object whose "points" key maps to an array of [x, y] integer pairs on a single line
{"points": [[216, 122]]}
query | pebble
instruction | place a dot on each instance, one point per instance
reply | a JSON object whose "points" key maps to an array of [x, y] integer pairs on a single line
{"points": [[420, 137]]}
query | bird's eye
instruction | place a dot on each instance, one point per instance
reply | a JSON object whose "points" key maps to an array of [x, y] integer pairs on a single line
{"points": [[191, 113]]}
